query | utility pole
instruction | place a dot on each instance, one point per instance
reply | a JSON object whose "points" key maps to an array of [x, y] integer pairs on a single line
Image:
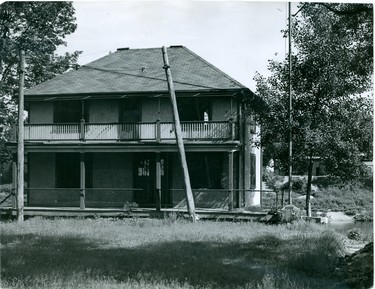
{"points": [[178, 133], [290, 108], [20, 148]]}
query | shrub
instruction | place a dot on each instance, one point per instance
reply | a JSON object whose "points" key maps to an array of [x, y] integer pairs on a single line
{"points": [[355, 234], [319, 255]]}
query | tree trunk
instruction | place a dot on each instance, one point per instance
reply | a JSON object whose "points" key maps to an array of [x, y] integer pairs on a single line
{"points": [[308, 186]]}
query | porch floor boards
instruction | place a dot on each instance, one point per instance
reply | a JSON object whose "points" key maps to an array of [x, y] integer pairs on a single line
{"points": [[204, 214]]}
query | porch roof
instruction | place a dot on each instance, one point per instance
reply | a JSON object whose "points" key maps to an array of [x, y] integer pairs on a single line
{"points": [[140, 71]]}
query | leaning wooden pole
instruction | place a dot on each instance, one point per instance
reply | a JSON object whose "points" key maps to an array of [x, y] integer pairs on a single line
{"points": [[20, 148], [178, 133]]}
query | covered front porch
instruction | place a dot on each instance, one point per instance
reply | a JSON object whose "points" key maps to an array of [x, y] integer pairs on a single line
{"points": [[141, 179]]}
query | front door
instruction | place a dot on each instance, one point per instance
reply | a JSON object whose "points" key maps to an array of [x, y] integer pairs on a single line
{"points": [[144, 180]]}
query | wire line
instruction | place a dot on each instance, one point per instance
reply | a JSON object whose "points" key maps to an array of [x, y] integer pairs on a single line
{"points": [[149, 77]]}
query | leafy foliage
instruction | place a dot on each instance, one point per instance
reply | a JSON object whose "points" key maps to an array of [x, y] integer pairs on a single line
{"points": [[38, 28], [331, 71]]}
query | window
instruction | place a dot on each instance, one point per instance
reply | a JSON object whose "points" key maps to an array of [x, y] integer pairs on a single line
{"points": [[205, 170], [144, 168], [252, 171], [130, 111], [67, 170], [194, 109], [69, 111], [252, 123]]}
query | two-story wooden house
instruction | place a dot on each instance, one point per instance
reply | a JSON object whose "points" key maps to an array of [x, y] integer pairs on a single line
{"points": [[103, 135]]}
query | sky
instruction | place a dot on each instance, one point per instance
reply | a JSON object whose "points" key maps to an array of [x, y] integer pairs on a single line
{"points": [[238, 37]]}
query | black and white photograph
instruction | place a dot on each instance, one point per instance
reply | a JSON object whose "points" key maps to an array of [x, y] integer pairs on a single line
{"points": [[186, 144]]}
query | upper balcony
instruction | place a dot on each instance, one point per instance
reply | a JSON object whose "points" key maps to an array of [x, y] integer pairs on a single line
{"points": [[143, 131]]}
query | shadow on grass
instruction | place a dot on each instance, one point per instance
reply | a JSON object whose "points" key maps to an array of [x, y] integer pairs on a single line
{"points": [[220, 265]]}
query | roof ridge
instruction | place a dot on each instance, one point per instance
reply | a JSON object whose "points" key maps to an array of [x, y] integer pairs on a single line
{"points": [[214, 67], [119, 51]]}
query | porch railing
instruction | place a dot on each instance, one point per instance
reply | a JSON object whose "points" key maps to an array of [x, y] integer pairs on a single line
{"points": [[52, 131], [118, 197], [194, 130]]}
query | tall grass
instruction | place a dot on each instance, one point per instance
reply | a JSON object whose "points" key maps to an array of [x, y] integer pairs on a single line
{"points": [[144, 253]]}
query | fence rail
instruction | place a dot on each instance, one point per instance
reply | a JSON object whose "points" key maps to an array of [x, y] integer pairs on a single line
{"points": [[194, 130]]}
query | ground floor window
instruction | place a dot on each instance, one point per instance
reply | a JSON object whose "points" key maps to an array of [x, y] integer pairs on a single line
{"points": [[205, 170], [253, 171], [67, 170]]}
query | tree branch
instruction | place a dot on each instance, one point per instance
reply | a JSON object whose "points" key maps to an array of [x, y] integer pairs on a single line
{"points": [[357, 10]]}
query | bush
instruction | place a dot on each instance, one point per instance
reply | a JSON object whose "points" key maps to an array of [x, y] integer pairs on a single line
{"points": [[319, 255], [355, 234], [272, 179]]}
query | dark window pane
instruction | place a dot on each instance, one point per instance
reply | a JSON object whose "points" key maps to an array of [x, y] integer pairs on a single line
{"points": [[67, 112], [67, 170]]}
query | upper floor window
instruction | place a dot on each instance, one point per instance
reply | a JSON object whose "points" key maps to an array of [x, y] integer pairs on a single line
{"points": [[130, 111], [194, 109], [69, 111]]}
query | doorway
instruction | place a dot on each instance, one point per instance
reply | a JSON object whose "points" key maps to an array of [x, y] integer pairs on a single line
{"points": [[145, 180]]}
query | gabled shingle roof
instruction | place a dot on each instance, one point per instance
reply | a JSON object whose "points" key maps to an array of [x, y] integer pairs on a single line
{"points": [[138, 70]]}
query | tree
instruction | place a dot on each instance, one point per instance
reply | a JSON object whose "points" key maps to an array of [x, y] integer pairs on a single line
{"points": [[332, 69], [38, 28]]}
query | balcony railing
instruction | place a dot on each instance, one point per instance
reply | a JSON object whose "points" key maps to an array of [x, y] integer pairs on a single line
{"points": [[158, 131]]}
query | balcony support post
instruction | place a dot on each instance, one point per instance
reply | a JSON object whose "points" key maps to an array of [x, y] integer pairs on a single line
{"points": [[158, 182], [158, 136], [82, 197], [232, 128], [82, 127], [230, 180]]}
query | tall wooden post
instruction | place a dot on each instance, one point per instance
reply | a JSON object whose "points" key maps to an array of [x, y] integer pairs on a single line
{"points": [[230, 180], [158, 182], [290, 110], [14, 182], [241, 193], [82, 198], [178, 133], [20, 145], [247, 162]]}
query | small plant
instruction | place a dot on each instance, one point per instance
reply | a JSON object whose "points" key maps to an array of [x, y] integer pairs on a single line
{"points": [[355, 234], [351, 212], [129, 207]]}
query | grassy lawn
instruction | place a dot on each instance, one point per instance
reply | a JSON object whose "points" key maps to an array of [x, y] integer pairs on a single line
{"points": [[146, 253]]}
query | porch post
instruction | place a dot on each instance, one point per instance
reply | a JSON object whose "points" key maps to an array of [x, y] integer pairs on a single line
{"points": [[82, 182], [230, 180], [14, 182], [158, 182]]}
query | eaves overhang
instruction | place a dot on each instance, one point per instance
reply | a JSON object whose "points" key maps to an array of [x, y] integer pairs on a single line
{"points": [[242, 92]]}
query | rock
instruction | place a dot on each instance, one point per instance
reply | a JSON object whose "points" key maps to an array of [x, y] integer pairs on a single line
{"points": [[290, 213], [357, 269]]}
